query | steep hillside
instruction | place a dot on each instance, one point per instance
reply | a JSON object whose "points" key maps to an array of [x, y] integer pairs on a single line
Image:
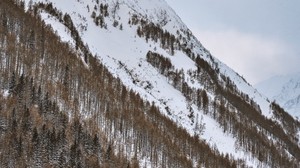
{"points": [[154, 94], [285, 90], [122, 33], [58, 112]]}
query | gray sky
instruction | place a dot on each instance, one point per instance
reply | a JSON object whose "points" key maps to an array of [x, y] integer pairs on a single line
{"points": [[257, 38]]}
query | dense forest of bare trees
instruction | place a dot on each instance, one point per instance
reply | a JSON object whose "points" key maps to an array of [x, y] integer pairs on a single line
{"points": [[236, 113], [58, 112]]}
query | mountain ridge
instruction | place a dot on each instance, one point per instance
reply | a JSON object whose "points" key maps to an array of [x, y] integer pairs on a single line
{"points": [[174, 70], [284, 90]]}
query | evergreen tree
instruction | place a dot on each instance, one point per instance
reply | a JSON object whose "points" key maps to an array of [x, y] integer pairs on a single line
{"points": [[12, 83]]}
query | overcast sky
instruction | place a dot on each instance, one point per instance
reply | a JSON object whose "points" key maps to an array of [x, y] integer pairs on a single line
{"points": [[257, 38]]}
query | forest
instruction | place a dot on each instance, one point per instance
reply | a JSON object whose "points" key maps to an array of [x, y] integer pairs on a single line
{"points": [[60, 106], [57, 111]]}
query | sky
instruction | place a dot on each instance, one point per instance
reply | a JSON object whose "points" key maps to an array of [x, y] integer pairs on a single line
{"points": [[257, 38]]}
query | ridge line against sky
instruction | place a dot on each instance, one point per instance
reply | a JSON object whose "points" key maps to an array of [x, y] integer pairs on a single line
{"points": [[257, 38]]}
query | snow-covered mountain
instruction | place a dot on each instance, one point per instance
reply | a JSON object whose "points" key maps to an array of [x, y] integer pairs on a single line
{"points": [[133, 37], [285, 90]]}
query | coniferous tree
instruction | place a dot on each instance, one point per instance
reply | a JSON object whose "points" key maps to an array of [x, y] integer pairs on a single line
{"points": [[12, 83]]}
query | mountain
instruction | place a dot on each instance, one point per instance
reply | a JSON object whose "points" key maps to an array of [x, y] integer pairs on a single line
{"points": [[285, 90], [125, 83]]}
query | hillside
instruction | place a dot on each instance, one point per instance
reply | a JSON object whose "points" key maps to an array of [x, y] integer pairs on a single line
{"points": [[285, 90], [131, 77]]}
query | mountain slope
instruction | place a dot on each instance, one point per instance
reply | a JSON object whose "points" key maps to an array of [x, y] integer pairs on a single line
{"points": [[285, 90], [57, 111], [146, 46]]}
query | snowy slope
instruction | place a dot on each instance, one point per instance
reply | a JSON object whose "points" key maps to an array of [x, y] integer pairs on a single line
{"points": [[285, 90], [124, 54]]}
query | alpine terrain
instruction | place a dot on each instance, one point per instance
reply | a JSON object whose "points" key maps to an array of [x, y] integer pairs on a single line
{"points": [[125, 83], [285, 90]]}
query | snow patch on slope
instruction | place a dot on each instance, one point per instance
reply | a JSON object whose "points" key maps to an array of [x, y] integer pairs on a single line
{"points": [[59, 28]]}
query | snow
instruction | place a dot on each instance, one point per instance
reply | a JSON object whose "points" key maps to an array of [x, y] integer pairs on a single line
{"points": [[59, 28], [5, 93], [285, 90], [247, 89], [124, 54]]}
